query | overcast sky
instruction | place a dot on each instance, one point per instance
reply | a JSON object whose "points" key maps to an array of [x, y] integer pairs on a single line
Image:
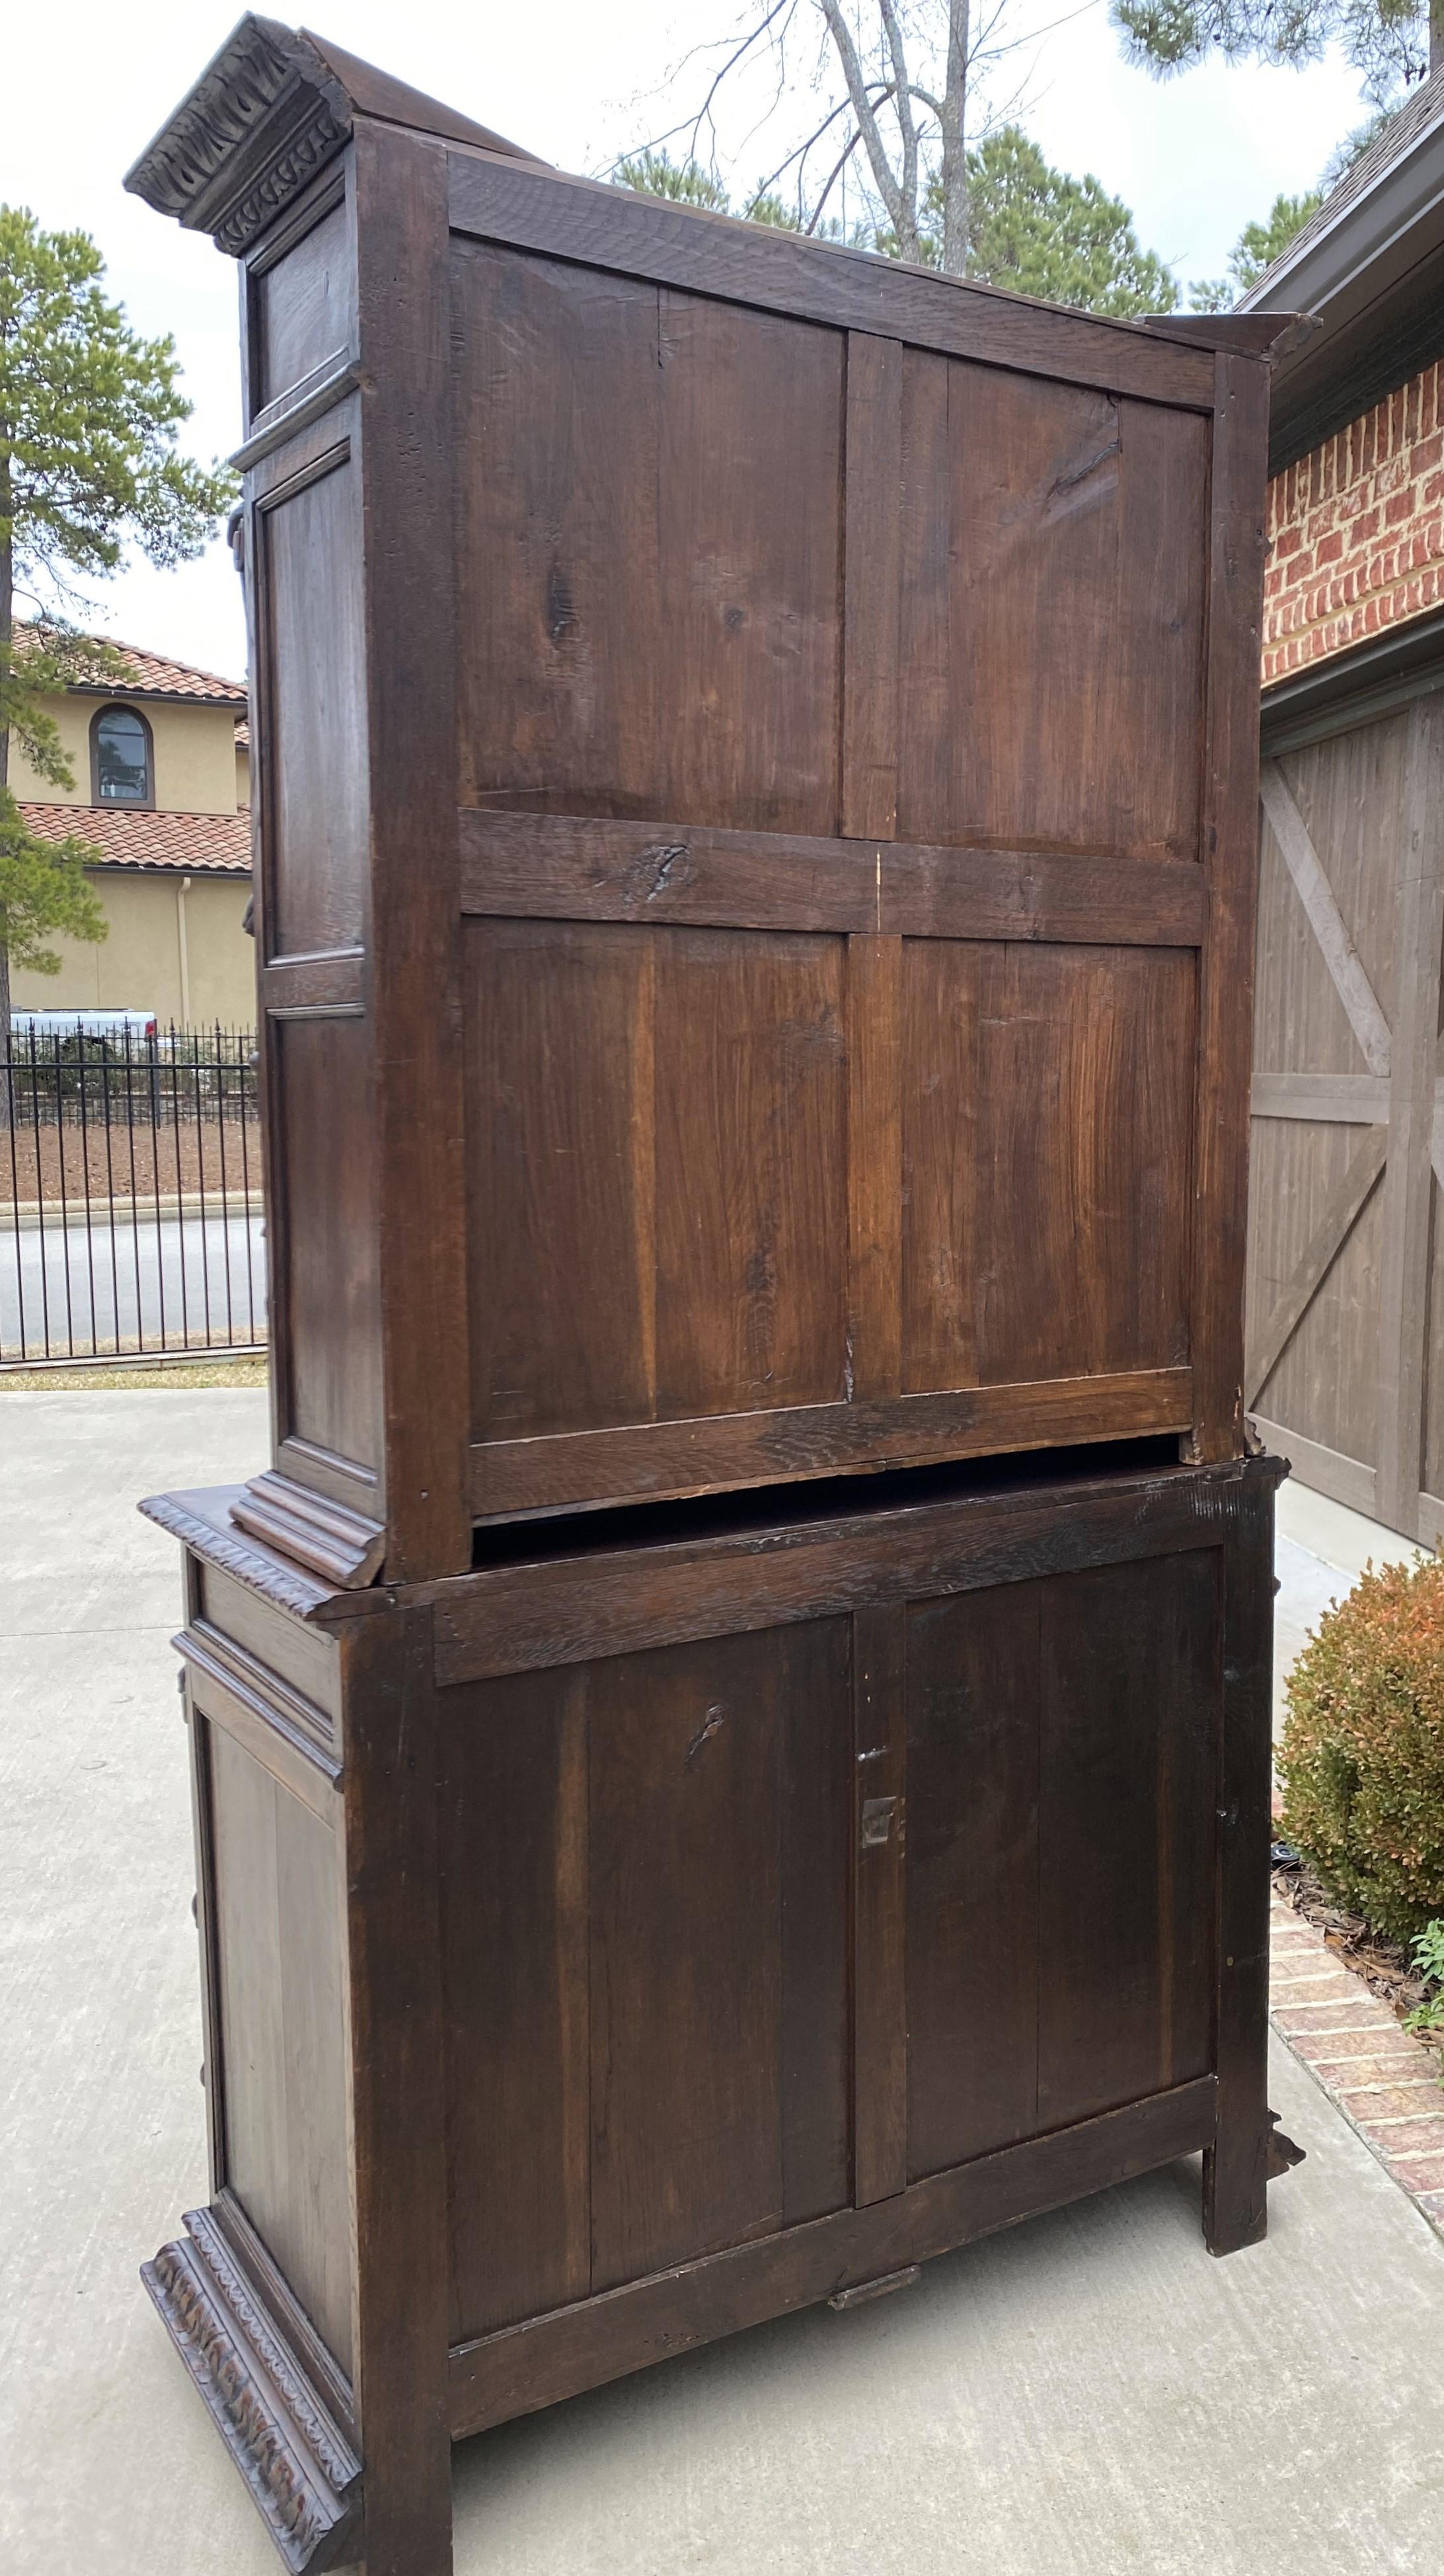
{"points": [[1196, 159]]}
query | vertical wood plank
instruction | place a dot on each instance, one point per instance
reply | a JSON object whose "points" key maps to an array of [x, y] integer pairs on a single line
{"points": [[874, 1166], [879, 2052], [407, 463], [512, 1833], [396, 2029], [1235, 2167], [872, 559], [1408, 1176], [1230, 830], [973, 1699]]}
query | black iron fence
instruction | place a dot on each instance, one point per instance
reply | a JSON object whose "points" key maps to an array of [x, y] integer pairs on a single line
{"points": [[130, 1194]]}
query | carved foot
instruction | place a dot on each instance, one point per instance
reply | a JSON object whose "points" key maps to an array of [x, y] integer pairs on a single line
{"points": [[303, 2475], [1283, 2155]]}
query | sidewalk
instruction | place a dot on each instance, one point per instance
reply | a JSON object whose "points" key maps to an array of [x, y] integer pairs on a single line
{"points": [[1087, 2395]]}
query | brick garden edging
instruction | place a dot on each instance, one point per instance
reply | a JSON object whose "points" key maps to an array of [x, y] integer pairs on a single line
{"points": [[1385, 2082]]}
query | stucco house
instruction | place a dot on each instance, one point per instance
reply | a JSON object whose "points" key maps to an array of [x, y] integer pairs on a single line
{"points": [[162, 793], [1346, 1285]]}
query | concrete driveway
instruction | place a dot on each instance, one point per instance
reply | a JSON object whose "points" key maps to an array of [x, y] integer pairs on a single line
{"points": [[1086, 2395]]}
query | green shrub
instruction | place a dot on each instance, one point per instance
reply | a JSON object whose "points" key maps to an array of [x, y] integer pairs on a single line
{"points": [[1362, 1757], [1428, 1963]]}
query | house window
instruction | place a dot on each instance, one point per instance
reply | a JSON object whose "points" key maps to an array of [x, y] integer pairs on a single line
{"points": [[121, 758]]}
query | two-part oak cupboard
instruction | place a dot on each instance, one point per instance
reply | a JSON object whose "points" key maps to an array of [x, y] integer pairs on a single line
{"points": [[730, 1741]]}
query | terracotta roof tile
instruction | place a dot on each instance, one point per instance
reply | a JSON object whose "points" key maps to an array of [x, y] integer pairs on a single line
{"points": [[156, 676], [203, 844]]}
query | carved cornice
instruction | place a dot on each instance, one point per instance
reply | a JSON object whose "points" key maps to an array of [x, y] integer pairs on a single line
{"points": [[272, 108], [263, 118], [301, 2471]]}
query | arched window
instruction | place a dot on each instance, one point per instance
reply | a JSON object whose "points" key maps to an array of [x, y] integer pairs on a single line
{"points": [[122, 761]]}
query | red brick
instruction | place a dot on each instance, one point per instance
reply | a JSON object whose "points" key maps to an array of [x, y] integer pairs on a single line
{"points": [[1414, 2137], [1401, 505], [1369, 2103], [1387, 2066], [1416, 2175], [1329, 549]]}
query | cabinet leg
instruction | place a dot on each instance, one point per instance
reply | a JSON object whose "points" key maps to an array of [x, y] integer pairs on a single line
{"points": [[1235, 2173]]}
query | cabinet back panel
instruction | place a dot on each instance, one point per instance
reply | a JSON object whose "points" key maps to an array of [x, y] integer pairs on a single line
{"points": [[1062, 1780], [656, 1139], [648, 624], [1053, 580], [1047, 1111], [645, 1916]]}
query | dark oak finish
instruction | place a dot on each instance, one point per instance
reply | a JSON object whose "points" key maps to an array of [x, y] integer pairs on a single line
{"points": [[653, 616], [723, 1923], [755, 765]]}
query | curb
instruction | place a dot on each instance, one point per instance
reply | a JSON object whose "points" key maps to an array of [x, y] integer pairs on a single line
{"points": [[1385, 2082]]}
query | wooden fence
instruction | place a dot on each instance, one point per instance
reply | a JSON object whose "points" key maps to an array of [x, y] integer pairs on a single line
{"points": [[1348, 1134]]}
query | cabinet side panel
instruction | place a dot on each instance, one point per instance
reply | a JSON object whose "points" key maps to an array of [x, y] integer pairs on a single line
{"points": [[282, 2031], [1131, 1685], [313, 726], [648, 619], [304, 307], [328, 1290]]}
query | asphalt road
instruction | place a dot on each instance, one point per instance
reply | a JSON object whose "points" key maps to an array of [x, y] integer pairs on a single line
{"points": [[174, 1283]]}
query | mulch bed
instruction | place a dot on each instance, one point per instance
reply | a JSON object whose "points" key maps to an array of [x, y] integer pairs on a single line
{"points": [[123, 1163], [1383, 1966]]}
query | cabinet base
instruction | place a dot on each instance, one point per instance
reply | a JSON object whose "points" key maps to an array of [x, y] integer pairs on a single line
{"points": [[302, 2473]]}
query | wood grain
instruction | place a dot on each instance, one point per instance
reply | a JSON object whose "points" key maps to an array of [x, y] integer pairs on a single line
{"points": [[573, 220], [871, 595], [570, 867], [411, 659], [565, 1607], [582, 2347], [1220, 1158], [880, 1920], [791, 1444]]}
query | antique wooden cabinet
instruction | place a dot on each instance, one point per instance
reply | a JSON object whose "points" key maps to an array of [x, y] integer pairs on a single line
{"points": [[644, 1935], [757, 760], [756, 756]]}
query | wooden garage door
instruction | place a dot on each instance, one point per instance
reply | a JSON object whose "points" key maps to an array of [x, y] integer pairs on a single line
{"points": [[1345, 1307]]}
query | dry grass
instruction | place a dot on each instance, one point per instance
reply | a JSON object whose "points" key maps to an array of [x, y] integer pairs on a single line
{"points": [[82, 1381]]}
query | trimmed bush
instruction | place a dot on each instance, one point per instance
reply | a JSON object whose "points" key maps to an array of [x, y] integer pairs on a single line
{"points": [[1362, 1757]]}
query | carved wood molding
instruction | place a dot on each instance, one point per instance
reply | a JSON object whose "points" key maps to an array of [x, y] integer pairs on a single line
{"points": [[301, 2471], [345, 1547], [263, 118]]}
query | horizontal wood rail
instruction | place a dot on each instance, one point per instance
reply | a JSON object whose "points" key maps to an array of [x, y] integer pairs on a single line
{"points": [[575, 219], [519, 1618], [567, 867], [326, 985], [532, 2365], [557, 1470]]}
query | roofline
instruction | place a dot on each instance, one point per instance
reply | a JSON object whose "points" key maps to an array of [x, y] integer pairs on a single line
{"points": [[1372, 277], [118, 689], [1383, 215], [102, 866]]}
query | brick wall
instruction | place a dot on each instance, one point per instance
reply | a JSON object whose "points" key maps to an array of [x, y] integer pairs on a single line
{"points": [[1356, 531]]}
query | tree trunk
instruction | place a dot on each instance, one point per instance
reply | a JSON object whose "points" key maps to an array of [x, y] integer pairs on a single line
{"points": [[955, 136]]}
